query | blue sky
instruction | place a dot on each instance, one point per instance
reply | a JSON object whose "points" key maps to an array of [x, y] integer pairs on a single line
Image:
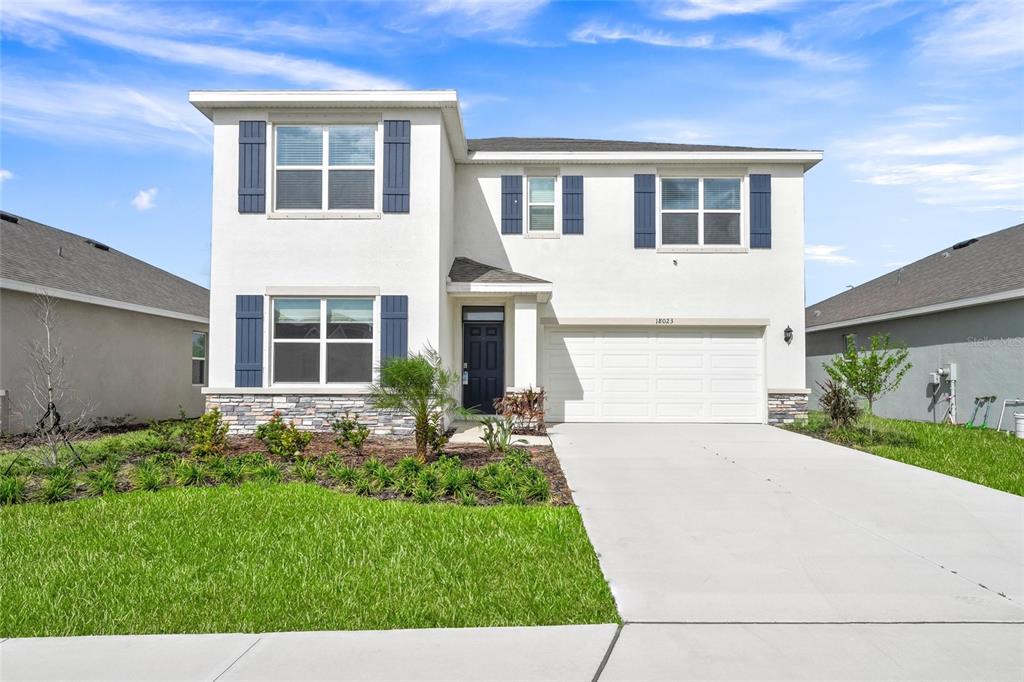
{"points": [[919, 106]]}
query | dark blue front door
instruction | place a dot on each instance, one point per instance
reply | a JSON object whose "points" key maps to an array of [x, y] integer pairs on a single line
{"points": [[483, 364]]}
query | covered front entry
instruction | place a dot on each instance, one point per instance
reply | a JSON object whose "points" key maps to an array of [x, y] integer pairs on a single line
{"points": [[655, 374], [483, 357]]}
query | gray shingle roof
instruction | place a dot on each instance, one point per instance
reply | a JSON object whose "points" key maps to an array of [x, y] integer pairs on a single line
{"points": [[44, 256], [568, 144], [466, 270], [992, 264]]}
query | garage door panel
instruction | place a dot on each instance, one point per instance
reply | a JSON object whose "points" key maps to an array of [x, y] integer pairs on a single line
{"points": [[619, 359], [654, 375]]}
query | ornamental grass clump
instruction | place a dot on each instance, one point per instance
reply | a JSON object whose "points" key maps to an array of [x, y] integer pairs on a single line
{"points": [[421, 386], [149, 475]]}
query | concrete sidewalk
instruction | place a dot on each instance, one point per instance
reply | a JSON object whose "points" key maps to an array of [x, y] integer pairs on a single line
{"points": [[540, 653], [564, 653]]}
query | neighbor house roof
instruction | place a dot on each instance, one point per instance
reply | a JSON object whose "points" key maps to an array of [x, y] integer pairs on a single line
{"points": [[466, 271], [568, 144], [37, 257], [971, 272]]}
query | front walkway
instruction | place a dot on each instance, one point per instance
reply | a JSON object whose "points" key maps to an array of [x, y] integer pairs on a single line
{"points": [[750, 552]]}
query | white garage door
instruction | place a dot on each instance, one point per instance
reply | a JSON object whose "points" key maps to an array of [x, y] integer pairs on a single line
{"points": [[656, 375]]}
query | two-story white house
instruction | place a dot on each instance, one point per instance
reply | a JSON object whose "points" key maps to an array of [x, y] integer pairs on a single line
{"points": [[633, 281]]}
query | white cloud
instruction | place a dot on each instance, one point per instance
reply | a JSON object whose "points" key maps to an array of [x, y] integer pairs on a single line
{"points": [[471, 17], [825, 253], [771, 44], [671, 130], [143, 32], [929, 150], [982, 33], [102, 112], [6, 175], [700, 10], [145, 199], [597, 32]]}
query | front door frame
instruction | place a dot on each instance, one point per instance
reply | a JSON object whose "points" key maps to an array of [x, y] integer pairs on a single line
{"points": [[492, 315]]}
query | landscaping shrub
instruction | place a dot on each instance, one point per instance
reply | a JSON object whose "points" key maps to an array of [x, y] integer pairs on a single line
{"points": [[267, 473], [306, 471], [12, 489], [350, 433], [838, 403], [149, 475], [283, 439], [498, 434], [208, 435], [102, 481], [524, 408], [58, 485], [189, 472]]}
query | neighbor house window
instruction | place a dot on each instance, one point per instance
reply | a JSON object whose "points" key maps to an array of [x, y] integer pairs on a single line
{"points": [[541, 200], [329, 168], [700, 211], [198, 358], [323, 340]]}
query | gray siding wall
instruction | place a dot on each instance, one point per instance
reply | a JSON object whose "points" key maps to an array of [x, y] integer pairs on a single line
{"points": [[986, 342], [121, 362]]}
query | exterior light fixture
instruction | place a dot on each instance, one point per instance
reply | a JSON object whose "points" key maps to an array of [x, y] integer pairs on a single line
{"points": [[788, 334]]}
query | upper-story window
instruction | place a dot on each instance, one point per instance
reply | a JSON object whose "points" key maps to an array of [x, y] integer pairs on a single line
{"points": [[325, 168], [322, 340], [700, 211], [541, 204]]}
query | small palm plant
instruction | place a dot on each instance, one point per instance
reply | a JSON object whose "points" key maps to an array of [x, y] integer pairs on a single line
{"points": [[422, 386]]}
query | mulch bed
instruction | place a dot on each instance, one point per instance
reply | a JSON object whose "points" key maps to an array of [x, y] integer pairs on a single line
{"points": [[391, 450]]}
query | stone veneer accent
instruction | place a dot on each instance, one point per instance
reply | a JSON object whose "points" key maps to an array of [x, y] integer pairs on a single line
{"points": [[243, 412], [786, 408]]}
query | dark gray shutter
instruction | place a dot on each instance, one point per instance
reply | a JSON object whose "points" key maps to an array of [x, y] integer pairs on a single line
{"points": [[760, 211], [572, 204], [248, 341], [397, 135], [252, 166], [511, 204], [643, 211], [394, 327]]}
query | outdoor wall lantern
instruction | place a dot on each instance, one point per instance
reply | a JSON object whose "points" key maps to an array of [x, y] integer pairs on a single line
{"points": [[788, 334]]}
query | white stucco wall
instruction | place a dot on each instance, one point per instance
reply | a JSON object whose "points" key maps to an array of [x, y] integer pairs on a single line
{"points": [[398, 253], [600, 274], [119, 362]]}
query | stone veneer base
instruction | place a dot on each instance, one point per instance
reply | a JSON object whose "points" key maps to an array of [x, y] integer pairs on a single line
{"points": [[786, 408], [243, 412]]}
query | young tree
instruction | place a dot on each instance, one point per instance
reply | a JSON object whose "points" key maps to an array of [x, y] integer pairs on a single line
{"points": [[57, 416], [422, 386], [870, 372]]}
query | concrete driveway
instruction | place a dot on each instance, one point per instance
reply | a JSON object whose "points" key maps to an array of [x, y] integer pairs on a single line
{"points": [[750, 552]]}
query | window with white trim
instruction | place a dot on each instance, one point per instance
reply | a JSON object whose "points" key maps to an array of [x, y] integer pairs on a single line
{"points": [[540, 209], [198, 358], [325, 168], [700, 211], [322, 340]]}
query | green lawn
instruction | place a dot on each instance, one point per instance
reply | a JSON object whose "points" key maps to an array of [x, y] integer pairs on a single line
{"points": [[277, 557], [982, 456]]}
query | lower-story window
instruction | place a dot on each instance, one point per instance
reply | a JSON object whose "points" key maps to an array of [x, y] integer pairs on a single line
{"points": [[323, 340], [198, 358]]}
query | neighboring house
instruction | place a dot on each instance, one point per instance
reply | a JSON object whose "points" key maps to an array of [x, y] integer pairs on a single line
{"points": [[963, 305], [135, 336], [633, 281]]}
